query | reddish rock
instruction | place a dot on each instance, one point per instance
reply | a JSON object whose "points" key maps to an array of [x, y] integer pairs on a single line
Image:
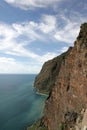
{"points": [[84, 121], [45, 80], [67, 85], [70, 91]]}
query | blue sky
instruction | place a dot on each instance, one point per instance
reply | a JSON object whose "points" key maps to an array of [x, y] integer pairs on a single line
{"points": [[34, 31]]}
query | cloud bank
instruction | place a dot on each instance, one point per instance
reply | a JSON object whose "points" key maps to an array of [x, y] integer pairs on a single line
{"points": [[31, 4], [15, 41]]}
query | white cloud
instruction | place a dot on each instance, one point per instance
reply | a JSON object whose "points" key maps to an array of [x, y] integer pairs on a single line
{"points": [[12, 42], [64, 49], [29, 29], [6, 60], [70, 29], [9, 44], [68, 33], [48, 24], [47, 56], [10, 65], [31, 4], [9, 35]]}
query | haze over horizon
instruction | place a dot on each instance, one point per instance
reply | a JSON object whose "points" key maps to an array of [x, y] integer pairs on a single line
{"points": [[34, 31]]}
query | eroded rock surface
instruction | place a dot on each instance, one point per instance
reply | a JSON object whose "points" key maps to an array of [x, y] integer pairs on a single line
{"points": [[65, 77], [84, 121], [69, 95], [45, 80]]}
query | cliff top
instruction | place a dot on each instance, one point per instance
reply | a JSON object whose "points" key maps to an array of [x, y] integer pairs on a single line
{"points": [[64, 78], [83, 32], [45, 80]]}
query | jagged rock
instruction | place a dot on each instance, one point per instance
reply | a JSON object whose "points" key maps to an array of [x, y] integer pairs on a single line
{"points": [[70, 90], [65, 77], [45, 80], [84, 121], [70, 117]]}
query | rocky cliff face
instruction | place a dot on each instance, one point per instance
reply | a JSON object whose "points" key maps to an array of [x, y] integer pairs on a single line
{"points": [[65, 77], [45, 80], [69, 95]]}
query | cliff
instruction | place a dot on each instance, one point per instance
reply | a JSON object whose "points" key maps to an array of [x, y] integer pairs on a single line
{"points": [[65, 79], [45, 80]]}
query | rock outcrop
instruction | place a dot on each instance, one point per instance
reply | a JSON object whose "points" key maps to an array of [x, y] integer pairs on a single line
{"points": [[84, 121], [65, 79], [69, 95], [45, 80]]}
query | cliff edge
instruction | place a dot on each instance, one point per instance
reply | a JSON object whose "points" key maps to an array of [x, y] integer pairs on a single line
{"points": [[45, 80], [65, 80]]}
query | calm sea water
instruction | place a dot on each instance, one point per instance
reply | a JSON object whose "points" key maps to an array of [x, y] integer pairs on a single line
{"points": [[20, 106]]}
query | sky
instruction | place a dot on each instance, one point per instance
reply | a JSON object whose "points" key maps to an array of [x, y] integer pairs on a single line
{"points": [[35, 31]]}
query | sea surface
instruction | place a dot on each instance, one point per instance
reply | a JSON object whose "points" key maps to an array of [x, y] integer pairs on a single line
{"points": [[20, 106]]}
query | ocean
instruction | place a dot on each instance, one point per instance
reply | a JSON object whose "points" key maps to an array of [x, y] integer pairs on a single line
{"points": [[20, 106]]}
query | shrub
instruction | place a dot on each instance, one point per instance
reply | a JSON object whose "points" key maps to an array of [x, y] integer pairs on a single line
{"points": [[61, 126]]}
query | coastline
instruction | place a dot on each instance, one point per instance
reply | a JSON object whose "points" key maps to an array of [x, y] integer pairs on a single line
{"points": [[42, 94]]}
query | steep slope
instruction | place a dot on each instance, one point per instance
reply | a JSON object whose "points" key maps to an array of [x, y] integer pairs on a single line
{"points": [[45, 80], [65, 77], [69, 95]]}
